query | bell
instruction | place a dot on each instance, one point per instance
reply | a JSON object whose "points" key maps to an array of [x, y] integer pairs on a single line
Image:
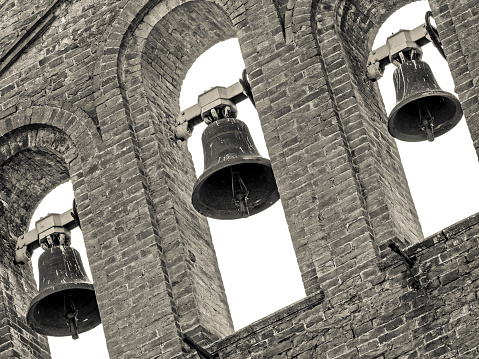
{"points": [[423, 111], [237, 182], [66, 303]]}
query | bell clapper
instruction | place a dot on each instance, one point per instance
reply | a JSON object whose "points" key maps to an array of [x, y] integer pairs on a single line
{"points": [[240, 193], [72, 320], [426, 121]]}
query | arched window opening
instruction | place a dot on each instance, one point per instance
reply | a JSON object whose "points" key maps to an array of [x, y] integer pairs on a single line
{"points": [[255, 254], [442, 174], [91, 343]]}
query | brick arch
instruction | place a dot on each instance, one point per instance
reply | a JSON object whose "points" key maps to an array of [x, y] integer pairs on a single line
{"points": [[139, 17], [34, 159], [173, 44], [76, 125], [46, 145], [135, 20], [45, 138]]}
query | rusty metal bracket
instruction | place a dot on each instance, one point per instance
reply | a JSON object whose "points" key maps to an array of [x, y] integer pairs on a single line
{"points": [[408, 261], [247, 87], [433, 34], [200, 350], [47, 226], [214, 99], [398, 44]]}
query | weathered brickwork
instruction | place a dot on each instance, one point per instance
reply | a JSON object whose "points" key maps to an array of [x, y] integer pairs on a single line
{"points": [[94, 100], [457, 23], [436, 318]]}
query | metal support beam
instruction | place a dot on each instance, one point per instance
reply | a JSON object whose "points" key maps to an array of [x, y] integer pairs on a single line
{"points": [[52, 223], [200, 350], [403, 40], [214, 98]]}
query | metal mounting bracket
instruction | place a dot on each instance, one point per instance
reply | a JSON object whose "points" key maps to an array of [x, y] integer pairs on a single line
{"points": [[200, 350], [408, 261], [217, 97], [51, 224], [403, 40]]}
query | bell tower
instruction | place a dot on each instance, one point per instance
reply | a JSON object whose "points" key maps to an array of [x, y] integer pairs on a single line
{"points": [[89, 93]]}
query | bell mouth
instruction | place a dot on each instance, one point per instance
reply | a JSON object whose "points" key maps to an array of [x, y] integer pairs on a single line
{"points": [[46, 314], [404, 123], [213, 195]]}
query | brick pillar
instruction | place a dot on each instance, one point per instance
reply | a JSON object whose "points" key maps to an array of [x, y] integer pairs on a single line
{"points": [[357, 101], [151, 256], [342, 186], [457, 23], [125, 253], [151, 69]]}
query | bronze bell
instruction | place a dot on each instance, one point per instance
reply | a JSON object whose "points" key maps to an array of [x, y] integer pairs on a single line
{"points": [[423, 111], [66, 303], [237, 182]]}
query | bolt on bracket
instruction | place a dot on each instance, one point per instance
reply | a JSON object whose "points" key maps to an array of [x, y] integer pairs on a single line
{"points": [[214, 99], [202, 352], [396, 44], [46, 227]]}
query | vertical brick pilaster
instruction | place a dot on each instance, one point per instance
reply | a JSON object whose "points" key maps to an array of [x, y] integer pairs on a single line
{"points": [[386, 194], [152, 107], [342, 186], [457, 26], [126, 256]]}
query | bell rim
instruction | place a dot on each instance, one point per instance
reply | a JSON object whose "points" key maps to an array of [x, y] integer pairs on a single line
{"points": [[408, 138], [228, 215], [39, 328]]}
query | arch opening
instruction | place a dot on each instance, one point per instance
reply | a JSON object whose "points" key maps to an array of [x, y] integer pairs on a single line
{"points": [[441, 174], [35, 160], [91, 343], [32, 164], [153, 68], [255, 255]]}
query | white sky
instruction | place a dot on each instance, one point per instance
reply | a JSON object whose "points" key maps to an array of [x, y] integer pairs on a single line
{"points": [[258, 282]]}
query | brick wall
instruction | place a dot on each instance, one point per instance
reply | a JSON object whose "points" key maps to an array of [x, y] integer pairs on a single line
{"points": [[94, 99], [436, 318]]}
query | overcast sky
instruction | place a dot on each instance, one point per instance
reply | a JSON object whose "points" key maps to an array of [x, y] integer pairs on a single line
{"points": [[255, 255]]}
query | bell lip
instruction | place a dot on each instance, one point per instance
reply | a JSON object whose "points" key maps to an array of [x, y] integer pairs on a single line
{"points": [[227, 215], [422, 137], [41, 329]]}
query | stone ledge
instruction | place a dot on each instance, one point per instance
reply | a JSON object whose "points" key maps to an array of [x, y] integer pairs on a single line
{"points": [[308, 302], [441, 236]]}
